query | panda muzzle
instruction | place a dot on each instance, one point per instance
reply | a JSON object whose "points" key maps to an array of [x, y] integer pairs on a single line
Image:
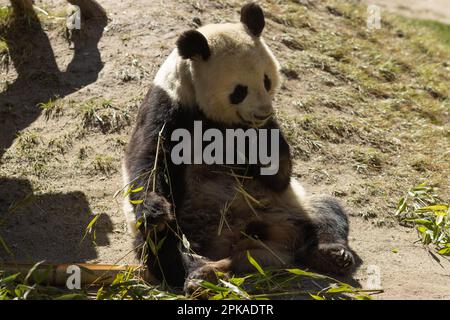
{"points": [[263, 116]]}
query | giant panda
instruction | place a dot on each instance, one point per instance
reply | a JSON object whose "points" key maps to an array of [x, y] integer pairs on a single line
{"points": [[204, 218]]}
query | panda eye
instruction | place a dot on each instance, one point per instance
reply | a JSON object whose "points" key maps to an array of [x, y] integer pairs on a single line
{"points": [[267, 82], [239, 94]]}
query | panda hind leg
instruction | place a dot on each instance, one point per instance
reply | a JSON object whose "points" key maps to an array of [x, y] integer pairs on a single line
{"points": [[328, 251]]}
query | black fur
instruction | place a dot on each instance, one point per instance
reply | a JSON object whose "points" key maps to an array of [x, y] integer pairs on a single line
{"points": [[326, 248], [156, 111], [257, 229], [321, 242], [315, 234], [192, 43], [281, 179], [253, 17]]}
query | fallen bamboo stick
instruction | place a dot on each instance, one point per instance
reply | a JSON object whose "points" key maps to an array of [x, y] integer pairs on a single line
{"points": [[58, 274]]}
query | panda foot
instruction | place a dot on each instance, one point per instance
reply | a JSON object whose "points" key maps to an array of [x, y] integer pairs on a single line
{"points": [[334, 257], [207, 272]]}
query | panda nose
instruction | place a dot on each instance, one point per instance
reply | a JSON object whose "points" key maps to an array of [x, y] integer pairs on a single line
{"points": [[264, 113]]}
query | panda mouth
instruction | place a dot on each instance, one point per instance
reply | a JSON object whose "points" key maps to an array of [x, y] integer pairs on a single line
{"points": [[256, 121], [263, 118]]}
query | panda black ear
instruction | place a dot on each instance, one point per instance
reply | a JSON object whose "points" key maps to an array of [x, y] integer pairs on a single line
{"points": [[192, 43], [253, 17]]}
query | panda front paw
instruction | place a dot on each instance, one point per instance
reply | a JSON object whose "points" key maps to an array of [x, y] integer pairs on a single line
{"points": [[192, 285], [154, 211]]}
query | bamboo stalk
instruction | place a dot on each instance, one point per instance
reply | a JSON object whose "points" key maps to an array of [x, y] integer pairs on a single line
{"points": [[57, 274]]}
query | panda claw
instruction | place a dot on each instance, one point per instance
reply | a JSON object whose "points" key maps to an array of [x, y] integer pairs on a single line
{"points": [[337, 257]]}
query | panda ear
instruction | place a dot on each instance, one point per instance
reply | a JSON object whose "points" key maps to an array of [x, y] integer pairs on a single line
{"points": [[253, 17], [192, 43]]}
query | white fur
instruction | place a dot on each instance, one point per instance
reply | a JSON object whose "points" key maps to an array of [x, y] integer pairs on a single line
{"points": [[298, 190], [126, 205], [174, 77], [237, 57]]}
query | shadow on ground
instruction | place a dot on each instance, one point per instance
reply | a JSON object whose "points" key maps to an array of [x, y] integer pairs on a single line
{"points": [[49, 226], [39, 78]]}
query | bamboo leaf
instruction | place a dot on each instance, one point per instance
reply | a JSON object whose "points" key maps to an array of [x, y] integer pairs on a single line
{"points": [[71, 296], [5, 246], [306, 273], [255, 264], [137, 190], [92, 223], [30, 272], [445, 251]]}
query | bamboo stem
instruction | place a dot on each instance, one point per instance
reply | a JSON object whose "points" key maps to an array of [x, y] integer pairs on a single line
{"points": [[56, 274]]}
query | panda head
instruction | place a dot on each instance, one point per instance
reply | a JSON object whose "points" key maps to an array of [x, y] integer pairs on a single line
{"points": [[232, 72]]}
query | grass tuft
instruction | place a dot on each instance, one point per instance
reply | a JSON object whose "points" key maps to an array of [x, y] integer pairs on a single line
{"points": [[422, 208], [104, 116]]}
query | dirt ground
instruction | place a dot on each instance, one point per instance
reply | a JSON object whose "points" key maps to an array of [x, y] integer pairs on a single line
{"points": [[424, 9], [63, 168]]}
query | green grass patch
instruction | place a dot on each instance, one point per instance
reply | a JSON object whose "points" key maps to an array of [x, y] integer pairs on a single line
{"points": [[51, 108], [438, 30]]}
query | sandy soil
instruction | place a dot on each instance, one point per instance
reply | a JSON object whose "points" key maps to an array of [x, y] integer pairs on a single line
{"points": [[69, 192]]}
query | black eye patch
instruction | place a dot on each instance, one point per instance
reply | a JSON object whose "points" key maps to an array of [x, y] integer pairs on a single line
{"points": [[239, 94], [267, 82]]}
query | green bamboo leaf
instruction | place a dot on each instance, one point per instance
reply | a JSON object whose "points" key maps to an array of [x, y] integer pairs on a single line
{"points": [[255, 264], [71, 296], [237, 281], [9, 279], [5, 246], [137, 190], [422, 229], [306, 273], [437, 207], [401, 206], [139, 223], [213, 287], [445, 251], [424, 222], [92, 223], [152, 246], [160, 244], [30, 272], [220, 296], [340, 289], [235, 289]]}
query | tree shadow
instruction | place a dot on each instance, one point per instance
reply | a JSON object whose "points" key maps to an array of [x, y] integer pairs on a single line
{"points": [[39, 78], [47, 227], [50, 226]]}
